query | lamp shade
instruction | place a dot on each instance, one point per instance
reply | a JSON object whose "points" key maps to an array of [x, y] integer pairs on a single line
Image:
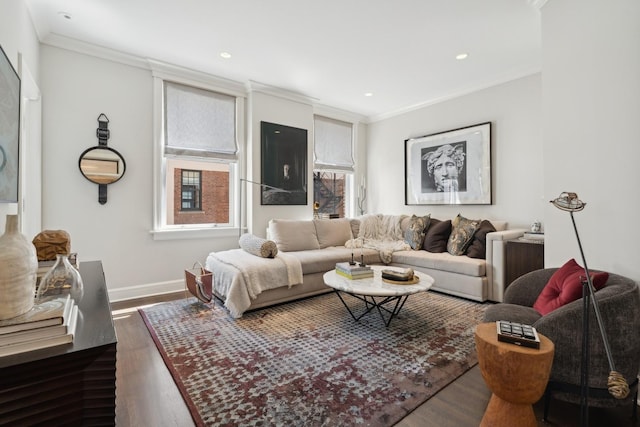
{"points": [[570, 202]]}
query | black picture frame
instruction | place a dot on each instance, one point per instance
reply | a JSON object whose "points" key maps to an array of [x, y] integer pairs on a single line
{"points": [[9, 130], [284, 164], [449, 168]]}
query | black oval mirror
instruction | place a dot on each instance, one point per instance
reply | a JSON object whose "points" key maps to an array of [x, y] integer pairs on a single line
{"points": [[102, 165]]}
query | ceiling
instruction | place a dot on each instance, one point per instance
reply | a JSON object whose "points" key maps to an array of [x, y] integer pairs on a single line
{"points": [[403, 52]]}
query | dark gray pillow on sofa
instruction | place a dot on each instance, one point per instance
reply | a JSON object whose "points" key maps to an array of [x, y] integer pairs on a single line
{"points": [[437, 236], [478, 246]]}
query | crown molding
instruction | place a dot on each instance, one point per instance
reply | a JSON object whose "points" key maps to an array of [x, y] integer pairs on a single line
{"points": [[466, 91], [338, 114], [188, 76], [257, 87], [90, 49]]}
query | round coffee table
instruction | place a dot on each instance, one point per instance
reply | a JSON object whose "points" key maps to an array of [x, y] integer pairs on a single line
{"points": [[516, 375], [376, 293]]}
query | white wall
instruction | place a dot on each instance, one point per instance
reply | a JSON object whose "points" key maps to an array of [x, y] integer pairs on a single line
{"points": [[274, 109], [591, 106], [18, 37], [513, 109], [76, 88]]}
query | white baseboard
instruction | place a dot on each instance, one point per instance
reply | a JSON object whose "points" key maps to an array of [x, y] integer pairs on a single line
{"points": [[140, 291]]}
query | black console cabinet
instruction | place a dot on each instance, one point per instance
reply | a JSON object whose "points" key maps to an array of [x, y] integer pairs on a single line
{"points": [[73, 384]]}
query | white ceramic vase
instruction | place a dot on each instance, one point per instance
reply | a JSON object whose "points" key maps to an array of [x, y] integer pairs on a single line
{"points": [[18, 268]]}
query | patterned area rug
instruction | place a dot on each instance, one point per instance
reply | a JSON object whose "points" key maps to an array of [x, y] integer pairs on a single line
{"points": [[308, 363]]}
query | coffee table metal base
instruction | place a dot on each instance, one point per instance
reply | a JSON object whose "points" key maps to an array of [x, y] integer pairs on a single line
{"points": [[379, 304]]}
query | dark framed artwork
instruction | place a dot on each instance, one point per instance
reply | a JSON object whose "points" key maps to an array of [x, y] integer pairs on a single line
{"points": [[284, 164], [449, 168], [9, 130]]}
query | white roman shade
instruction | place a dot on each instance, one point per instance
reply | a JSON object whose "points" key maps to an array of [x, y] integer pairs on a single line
{"points": [[199, 122], [333, 144]]}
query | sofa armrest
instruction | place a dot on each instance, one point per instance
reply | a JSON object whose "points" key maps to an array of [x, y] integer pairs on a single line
{"points": [[525, 289], [495, 261]]}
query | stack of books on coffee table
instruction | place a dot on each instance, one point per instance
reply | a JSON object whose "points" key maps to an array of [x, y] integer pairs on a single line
{"points": [[353, 272], [49, 323]]}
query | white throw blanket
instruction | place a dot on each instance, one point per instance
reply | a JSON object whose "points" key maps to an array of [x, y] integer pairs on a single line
{"points": [[382, 233], [240, 277]]}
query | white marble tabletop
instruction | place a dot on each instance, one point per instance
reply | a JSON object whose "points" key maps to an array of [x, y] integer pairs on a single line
{"points": [[375, 286]]}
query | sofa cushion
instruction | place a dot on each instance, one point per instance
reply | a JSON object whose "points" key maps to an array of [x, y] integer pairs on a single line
{"points": [[442, 261], [332, 232], [437, 235], [415, 231], [478, 246], [462, 233], [293, 235], [512, 313], [321, 261], [564, 286]]}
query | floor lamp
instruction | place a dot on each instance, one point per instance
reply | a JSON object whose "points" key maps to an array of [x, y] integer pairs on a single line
{"points": [[616, 383], [282, 190]]}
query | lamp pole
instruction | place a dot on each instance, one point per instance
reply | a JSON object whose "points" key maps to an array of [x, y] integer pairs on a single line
{"points": [[243, 180], [616, 383]]}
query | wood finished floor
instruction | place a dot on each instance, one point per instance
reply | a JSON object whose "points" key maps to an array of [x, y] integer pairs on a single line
{"points": [[146, 394]]}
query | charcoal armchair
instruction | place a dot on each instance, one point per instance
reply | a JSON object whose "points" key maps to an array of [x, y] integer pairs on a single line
{"points": [[619, 303]]}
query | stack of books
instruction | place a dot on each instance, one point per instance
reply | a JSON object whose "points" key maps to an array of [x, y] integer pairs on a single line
{"points": [[353, 272], [49, 323]]}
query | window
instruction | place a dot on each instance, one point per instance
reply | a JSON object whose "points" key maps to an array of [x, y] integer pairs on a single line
{"points": [[333, 168], [197, 126], [190, 192]]}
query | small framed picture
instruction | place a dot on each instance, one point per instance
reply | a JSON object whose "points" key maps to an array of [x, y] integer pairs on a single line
{"points": [[449, 168]]}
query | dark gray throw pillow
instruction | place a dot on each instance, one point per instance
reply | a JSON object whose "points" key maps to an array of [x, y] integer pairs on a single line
{"points": [[478, 246], [437, 235]]}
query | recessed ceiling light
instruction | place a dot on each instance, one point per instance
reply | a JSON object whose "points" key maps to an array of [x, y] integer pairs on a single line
{"points": [[225, 55], [462, 56], [65, 15], [368, 94]]}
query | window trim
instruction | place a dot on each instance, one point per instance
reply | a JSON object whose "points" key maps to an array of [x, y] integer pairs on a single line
{"points": [[162, 231]]}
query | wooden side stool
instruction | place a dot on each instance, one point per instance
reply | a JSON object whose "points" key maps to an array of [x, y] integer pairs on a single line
{"points": [[516, 375]]}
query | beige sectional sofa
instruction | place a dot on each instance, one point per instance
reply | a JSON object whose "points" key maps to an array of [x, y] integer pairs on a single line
{"points": [[318, 244]]}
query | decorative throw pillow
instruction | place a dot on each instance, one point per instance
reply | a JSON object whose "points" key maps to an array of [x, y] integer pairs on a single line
{"points": [[437, 235], [258, 246], [565, 286], [478, 246], [462, 232], [415, 232], [293, 235]]}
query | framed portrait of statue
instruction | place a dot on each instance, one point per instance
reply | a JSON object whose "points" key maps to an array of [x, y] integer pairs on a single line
{"points": [[449, 168], [284, 164]]}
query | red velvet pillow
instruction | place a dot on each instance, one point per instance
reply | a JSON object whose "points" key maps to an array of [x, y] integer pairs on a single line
{"points": [[565, 286]]}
